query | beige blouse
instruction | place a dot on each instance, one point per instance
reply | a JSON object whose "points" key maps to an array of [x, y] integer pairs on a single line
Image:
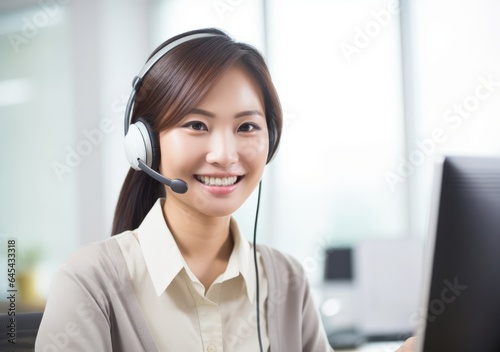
{"points": [[180, 314]]}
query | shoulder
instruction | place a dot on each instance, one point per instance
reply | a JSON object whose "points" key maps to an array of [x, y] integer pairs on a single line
{"points": [[92, 255], [283, 270], [278, 259], [99, 265]]}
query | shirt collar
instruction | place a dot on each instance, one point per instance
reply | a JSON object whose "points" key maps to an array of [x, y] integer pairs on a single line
{"points": [[164, 259]]}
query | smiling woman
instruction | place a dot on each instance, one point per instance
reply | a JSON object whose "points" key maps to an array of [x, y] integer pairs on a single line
{"points": [[176, 87], [178, 274]]}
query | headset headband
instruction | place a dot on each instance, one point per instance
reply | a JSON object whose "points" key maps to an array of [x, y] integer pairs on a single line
{"points": [[136, 83]]}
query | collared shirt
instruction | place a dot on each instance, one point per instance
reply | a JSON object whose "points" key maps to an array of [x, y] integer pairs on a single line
{"points": [[180, 314]]}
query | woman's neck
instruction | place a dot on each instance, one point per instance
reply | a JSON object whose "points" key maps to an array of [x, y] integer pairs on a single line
{"points": [[205, 242]]}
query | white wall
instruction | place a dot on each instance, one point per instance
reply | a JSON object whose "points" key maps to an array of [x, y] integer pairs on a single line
{"points": [[453, 49]]}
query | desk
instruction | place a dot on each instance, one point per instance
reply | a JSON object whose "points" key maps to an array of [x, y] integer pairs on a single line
{"points": [[389, 346]]}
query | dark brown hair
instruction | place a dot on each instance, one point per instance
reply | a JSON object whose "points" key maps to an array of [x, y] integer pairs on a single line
{"points": [[171, 89]]}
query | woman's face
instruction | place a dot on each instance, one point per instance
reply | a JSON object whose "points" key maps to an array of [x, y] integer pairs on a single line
{"points": [[220, 148]]}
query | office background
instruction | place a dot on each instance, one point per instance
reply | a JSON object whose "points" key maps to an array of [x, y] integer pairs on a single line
{"points": [[373, 92]]}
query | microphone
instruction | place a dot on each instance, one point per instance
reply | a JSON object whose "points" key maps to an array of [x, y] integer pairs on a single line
{"points": [[177, 185]]}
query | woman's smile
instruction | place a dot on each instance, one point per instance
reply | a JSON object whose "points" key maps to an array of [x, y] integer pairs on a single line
{"points": [[219, 185], [217, 180]]}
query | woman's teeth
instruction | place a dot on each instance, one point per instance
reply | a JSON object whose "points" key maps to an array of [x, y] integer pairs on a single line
{"points": [[217, 181]]}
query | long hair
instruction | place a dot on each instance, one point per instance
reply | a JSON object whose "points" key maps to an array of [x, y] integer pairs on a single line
{"points": [[172, 88]]}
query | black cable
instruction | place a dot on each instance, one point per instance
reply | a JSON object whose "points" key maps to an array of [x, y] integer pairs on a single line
{"points": [[257, 268]]}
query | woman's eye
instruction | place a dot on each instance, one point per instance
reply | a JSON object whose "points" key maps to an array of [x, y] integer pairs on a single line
{"points": [[196, 126], [248, 127]]}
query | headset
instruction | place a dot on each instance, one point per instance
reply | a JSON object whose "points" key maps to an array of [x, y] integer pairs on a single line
{"points": [[142, 147]]}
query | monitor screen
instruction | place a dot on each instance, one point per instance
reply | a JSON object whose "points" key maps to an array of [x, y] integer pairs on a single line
{"points": [[461, 300], [338, 264]]}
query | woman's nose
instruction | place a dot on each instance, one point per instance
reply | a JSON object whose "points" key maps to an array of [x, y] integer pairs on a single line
{"points": [[223, 149]]}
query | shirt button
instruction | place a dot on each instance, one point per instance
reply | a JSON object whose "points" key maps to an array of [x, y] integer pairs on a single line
{"points": [[211, 348]]}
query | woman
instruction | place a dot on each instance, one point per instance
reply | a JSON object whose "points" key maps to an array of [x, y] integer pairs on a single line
{"points": [[178, 275]]}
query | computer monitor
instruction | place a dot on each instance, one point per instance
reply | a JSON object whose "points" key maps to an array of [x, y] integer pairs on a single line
{"points": [[461, 297], [338, 264]]}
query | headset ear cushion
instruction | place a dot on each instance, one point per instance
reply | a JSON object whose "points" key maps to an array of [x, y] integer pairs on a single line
{"points": [[136, 145], [154, 157]]}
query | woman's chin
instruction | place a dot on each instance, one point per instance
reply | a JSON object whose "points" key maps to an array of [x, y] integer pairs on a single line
{"points": [[222, 211]]}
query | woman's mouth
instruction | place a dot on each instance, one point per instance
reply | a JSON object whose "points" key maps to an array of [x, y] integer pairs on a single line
{"points": [[218, 181]]}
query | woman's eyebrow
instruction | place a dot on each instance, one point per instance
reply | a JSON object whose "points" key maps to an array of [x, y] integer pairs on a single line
{"points": [[202, 112], [249, 112], [240, 114]]}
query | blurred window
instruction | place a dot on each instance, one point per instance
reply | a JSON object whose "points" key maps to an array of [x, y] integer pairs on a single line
{"points": [[37, 198]]}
